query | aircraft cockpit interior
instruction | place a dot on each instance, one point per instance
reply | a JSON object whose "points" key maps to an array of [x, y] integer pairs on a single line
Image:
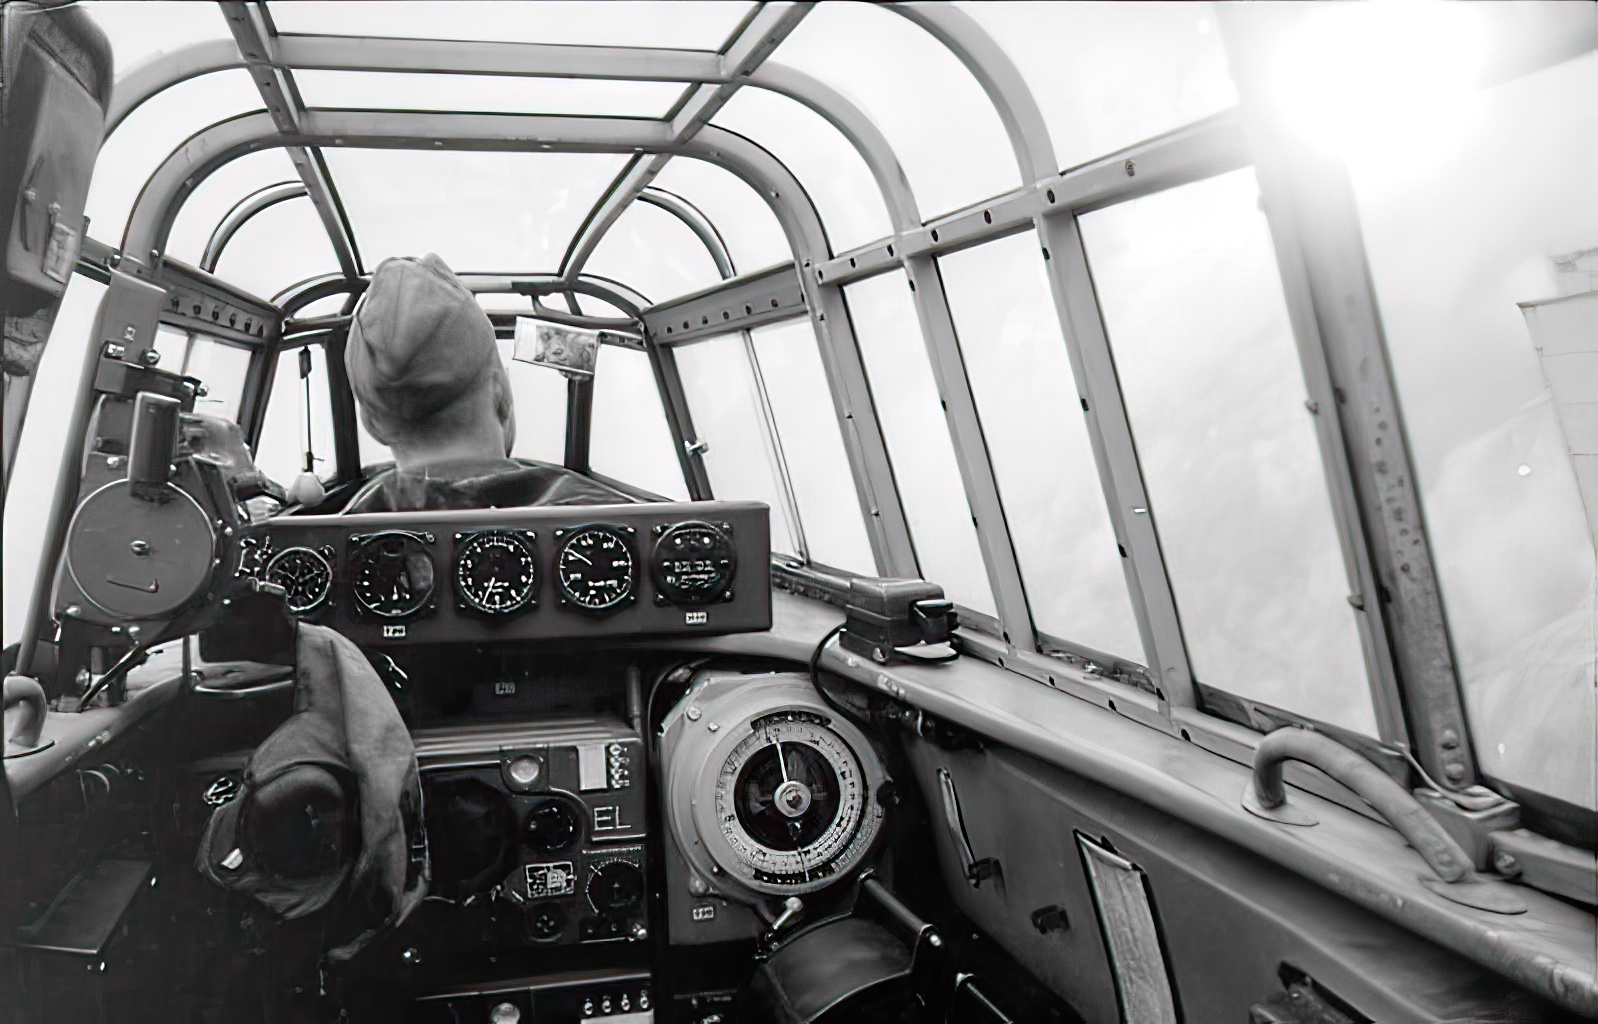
{"points": [[773, 512]]}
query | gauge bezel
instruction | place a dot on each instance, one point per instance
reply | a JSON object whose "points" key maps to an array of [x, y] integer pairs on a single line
{"points": [[301, 549], [527, 540], [666, 593], [360, 542], [564, 538]]}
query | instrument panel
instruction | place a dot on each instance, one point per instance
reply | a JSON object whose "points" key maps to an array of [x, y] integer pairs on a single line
{"points": [[543, 573]]}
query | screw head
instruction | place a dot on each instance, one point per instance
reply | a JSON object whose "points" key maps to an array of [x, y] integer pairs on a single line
{"points": [[1505, 863], [1455, 771], [1449, 739]]}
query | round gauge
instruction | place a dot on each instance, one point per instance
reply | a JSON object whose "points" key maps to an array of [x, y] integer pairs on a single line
{"points": [[304, 575], [791, 800], [496, 572], [769, 793], [393, 575], [594, 567], [693, 563]]}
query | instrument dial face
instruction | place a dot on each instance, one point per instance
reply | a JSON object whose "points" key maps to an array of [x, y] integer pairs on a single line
{"points": [[792, 802], [393, 575], [693, 563], [594, 568], [305, 576], [496, 572]]}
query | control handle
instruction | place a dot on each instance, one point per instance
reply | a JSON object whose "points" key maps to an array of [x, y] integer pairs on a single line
{"points": [[1378, 789]]}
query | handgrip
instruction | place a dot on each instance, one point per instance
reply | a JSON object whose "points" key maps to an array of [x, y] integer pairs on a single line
{"points": [[153, 444], [1390, 800], [27, 692]]}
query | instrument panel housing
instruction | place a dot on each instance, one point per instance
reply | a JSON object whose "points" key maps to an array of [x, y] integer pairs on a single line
{"points": [[446, 617]]}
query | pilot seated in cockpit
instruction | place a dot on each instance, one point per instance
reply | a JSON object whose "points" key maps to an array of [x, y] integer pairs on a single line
{"points": [[430, 384]]}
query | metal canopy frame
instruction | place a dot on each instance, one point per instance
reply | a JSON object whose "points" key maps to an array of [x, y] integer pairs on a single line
{"points": [[1048, 202]]}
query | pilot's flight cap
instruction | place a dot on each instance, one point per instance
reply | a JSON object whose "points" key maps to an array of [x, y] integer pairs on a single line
{"points": [[419, 339]]}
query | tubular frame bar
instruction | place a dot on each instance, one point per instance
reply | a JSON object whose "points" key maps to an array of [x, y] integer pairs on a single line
{"points": [[1314, 219], [246, 208], [1087, 344], [696, 221], [192, 162], [252, 31], [766, 27]]}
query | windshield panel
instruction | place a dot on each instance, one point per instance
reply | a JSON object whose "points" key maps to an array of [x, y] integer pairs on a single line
{"points": [[747, 226], [629, 439], [651, 251]]}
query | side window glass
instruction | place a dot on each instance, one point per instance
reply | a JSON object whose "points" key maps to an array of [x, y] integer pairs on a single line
{"points": [[299, 413], [629, 439], [789, 360], [222, 368], [1038, 443], [540, 397], [1488, 287], [1192, 300], [725, 407], [918, 440]]}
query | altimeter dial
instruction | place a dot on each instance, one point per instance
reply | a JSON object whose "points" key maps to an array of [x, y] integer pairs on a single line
{"points": [[305, 576], [496, 572]]}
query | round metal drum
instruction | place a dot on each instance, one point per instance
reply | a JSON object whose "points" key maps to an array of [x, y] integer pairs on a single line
{"points": [[140, 559]]}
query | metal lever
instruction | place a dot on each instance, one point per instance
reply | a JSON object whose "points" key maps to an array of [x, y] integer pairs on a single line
{"points": [[1267, 795], [976, 871]]}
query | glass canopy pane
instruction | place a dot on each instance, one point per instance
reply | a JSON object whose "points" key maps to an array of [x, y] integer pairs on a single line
{"points": [[150, 134], [540, 397], [630, 440], [479, 211], [1038, 443], [834, 175], [725, 408], [655, 254], [377, 90], [142, 29], [1191, 296], [694, 25], [751, 232], [924, 466], [280, 452], [1483, 266], [280, 246], [205, 207], [829, 505], [940, 123], [1108, 75]]}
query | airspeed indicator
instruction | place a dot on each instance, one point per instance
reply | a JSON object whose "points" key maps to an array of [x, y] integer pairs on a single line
{"points": [[594, 568]]}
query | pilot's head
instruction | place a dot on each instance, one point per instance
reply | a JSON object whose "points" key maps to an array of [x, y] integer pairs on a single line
{"points": [[423, 364]]}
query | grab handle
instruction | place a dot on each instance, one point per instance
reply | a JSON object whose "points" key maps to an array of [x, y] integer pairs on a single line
{"points": [[1390, 800], [25, 691]]}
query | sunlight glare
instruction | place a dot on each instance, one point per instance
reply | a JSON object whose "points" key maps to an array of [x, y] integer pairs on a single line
{"points": [[1382, 79]]}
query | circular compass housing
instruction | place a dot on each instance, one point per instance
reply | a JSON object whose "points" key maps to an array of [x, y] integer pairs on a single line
{"points": [[595, 568], [392, 575], [305, 576], [496, 572], [769, 791]]}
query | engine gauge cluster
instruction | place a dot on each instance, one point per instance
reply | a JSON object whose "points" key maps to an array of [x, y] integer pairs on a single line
{"points": [[534, 573]]}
